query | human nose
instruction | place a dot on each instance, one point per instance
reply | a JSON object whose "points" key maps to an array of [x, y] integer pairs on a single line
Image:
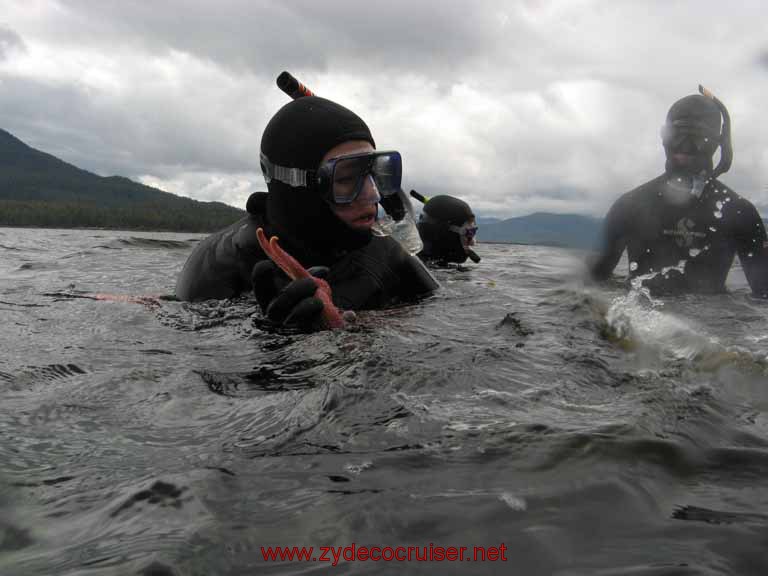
{"points": [[687, 146], [370, 192]]}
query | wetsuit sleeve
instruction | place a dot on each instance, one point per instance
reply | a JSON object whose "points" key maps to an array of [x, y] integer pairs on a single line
{"points": [[612, 243], [752, 247], [378, 275], [220, 265], [415, 279]]}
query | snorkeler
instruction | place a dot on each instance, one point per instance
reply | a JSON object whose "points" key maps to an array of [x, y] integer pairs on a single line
{"points": [[683, 228], [447, 229], [325, 180]]}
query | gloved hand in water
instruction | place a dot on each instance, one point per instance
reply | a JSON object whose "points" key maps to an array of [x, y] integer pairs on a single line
{"points": [[288, 302], [671, 283]]}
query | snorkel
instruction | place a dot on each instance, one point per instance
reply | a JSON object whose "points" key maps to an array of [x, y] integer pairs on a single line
{"points": [[419, 197], [295, 89], [696, 126], [726, 146]]}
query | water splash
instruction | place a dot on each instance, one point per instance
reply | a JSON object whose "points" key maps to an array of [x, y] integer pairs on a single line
{"points": [[636, 322]]}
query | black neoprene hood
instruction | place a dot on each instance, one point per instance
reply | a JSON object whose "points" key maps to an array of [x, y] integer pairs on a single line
{"points": [[449, 209], [440, 242], [302, 132], [298, 136], [696, 111], [695, 114]]}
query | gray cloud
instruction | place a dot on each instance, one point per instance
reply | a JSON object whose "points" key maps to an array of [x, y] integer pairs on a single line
{"points": [[516, 107], [9, 41], [266, 36], [140, 135], [762, 59]]}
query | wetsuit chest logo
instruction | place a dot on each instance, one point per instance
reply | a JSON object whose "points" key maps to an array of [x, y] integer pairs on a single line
{"points": [[683, 233]]}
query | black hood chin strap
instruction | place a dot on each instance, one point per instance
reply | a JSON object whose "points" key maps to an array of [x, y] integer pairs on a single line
{"points": [[308, 226]]}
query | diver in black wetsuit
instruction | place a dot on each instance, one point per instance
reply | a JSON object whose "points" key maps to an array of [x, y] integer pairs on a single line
{"points": [[685, 225], [447, 229], [325, 180]]}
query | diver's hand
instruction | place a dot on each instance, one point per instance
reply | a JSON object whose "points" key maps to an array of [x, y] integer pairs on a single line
{"points": [[286, 302], [297, 305], [671, 283], [267, 281]]}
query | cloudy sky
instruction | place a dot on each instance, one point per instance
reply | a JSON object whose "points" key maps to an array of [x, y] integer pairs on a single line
{"points": [[515, 106]]}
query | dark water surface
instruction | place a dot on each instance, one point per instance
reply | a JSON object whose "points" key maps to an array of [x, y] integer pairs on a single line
{"points": [[590, 431]]}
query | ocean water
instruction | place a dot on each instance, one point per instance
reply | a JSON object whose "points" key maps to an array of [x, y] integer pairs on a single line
{"points": [[587, 430]]}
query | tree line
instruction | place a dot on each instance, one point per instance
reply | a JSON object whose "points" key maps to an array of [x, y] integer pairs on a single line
{"points": [[148, 215]]}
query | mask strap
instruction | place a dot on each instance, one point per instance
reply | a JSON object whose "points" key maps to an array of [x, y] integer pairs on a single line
{"points": [[295, 177]]}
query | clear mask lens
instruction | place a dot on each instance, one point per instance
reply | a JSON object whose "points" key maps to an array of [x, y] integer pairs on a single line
{"points": [[387, 173], [350, 174], [467, 231], [688, 139]]}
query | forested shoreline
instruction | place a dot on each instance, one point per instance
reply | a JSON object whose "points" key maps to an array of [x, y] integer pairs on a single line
{"points": [[40, 190], [142, 216]]}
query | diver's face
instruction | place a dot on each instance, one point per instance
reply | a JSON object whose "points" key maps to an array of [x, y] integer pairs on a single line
{"points": [[689, 153], [360, 214], [468, 238]]}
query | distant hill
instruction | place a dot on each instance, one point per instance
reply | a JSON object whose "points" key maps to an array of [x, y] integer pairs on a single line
{"points": [[486, 220], [569, 230], [38, 189]]}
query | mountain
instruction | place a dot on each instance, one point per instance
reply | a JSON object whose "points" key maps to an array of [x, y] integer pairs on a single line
{"points": [[486, 220], [38, 189], [569, 230]]}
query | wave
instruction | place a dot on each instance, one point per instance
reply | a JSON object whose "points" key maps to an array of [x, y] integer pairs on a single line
{"points": [[37, 374], [140, 242], [637, 323], [39, 266]]}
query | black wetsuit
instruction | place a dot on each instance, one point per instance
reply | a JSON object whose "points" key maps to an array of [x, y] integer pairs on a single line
{"points": [[705, 233], [364, 271], [375, 275]]}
